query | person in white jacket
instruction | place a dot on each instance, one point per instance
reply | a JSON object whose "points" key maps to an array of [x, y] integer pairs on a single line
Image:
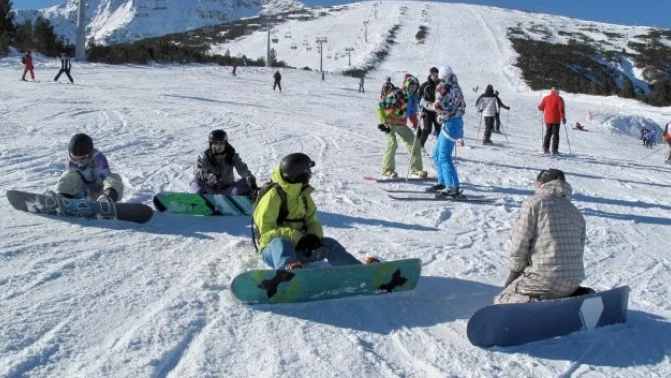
{"points": [[547, 244], [489, 104]]}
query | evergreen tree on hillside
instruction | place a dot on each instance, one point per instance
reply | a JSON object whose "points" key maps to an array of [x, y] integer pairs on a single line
{"points": [[661, 93], [628, 89], [6, 25]]}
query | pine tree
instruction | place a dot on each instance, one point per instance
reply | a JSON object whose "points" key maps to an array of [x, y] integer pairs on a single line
{"points": [[661, 93], [6, 25], [628, 89]]}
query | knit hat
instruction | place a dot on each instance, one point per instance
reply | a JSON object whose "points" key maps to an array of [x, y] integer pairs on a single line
{"points": [[547, 175]]}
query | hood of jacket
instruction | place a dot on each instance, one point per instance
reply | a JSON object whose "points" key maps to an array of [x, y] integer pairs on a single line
{"points": [[556, 188], [292, 190]]}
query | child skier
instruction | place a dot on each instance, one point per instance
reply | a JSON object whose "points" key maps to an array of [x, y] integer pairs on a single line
{"points": [[214, 170], [451, 107], [410, 87], [392, 115], [88, 174]]}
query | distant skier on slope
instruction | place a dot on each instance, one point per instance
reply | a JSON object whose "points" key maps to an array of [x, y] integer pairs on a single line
{"points": [[667, 140], [547, 244], [497, 125], [451, 107], [488, 104], [554, 113], [298, 238], [392, 113], [214, 170], [649, 137], [88, 174], [27, 61], [427, 93], [361, 82], [65, 68], [277, 77]]}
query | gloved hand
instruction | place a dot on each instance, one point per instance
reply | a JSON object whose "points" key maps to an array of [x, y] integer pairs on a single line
{"points": [[384, 128], [564, 121], [309, 243], [251, 182], [210, 178], [508, 108]]}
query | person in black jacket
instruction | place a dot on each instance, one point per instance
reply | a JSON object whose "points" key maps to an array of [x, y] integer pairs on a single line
{"points": [[427, 93], [65, 68], [278, 77], [497, 125]]}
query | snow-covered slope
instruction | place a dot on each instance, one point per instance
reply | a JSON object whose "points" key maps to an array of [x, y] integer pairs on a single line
{"points": [[109, 299], [115, 21]]}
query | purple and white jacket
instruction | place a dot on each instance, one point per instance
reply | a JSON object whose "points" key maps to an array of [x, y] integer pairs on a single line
{"points": [[94, 170]]}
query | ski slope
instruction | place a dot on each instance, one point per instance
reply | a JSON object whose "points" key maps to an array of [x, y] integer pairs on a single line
{"points": [[110, 299]]}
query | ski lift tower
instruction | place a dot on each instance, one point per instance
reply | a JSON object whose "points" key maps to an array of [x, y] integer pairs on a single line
{"points": [[321, 41], [268, 46], [348, 51], [365, 31], [80, 41]]}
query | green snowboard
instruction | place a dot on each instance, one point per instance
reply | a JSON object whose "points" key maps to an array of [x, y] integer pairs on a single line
{"points": [[202, 204], [314, 284]]}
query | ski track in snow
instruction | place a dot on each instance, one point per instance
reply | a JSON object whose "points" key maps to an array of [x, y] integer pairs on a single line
{"points": [[85, 298]]}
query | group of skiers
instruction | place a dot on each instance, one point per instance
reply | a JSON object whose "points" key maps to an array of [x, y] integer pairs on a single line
{"points": [[648, 136], [29, 67]]}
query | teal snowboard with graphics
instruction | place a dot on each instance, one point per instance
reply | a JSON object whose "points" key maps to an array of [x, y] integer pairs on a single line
{"points": [[314, 284], [182, 203]]}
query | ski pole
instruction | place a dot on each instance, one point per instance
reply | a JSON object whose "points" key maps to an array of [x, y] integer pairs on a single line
{"points": [[505, 132], [652, 153], [567, 140], [542, 129], [479, 123]]}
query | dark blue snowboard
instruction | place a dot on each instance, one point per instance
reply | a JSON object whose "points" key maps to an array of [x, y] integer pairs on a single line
{"points": [[521, 323], [61, 206]]}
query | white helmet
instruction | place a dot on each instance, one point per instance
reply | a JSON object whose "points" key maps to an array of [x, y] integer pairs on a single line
{"points": [[444, 72]]}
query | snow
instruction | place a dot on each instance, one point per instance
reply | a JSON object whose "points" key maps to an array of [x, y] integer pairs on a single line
{"points": [[99, 298]]}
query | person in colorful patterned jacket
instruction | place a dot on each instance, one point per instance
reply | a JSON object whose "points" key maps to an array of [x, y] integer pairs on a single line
{"points": [[88, 174], [451, 107], [667, 139], [298, 238], [547, 244], [410, 88], [392, 115], [214, 170]]}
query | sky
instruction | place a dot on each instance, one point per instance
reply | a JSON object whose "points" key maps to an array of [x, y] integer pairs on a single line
{"points": [[626, 12]]}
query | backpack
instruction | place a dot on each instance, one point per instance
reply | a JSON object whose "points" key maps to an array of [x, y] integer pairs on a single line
{"points": [[23, 60], [284, 209]]}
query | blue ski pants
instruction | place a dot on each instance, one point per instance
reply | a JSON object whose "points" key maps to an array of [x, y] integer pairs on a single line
{"points": [[452, 130], [280, 252]]}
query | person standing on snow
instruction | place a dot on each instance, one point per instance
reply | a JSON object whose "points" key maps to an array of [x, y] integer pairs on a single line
{"points": [[451, 107], [88, 174], [497, 126], [553, 108], [278, 77], [427, 93], [27, 61], [385, 87], [298, 238], [361, 81], [392, 113], [667, 140], [65, 68], [547, 244], [410, 88], [214, 170]]}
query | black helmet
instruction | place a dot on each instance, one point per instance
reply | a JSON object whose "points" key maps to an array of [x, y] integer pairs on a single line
{"points": [[387, 87], [295, 168], [81, 145], [547, 175], [433, 70], [218, 135]]}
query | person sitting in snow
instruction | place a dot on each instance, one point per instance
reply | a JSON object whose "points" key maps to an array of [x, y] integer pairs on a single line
{"points": [[298, 238], [547, 244], [88, 174], [214, 170]]}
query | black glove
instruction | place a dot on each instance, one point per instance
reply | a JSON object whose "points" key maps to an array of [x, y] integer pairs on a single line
{"points": [[309, 243], [512, 277], [564, 121], [384, 128], [251, 183]]}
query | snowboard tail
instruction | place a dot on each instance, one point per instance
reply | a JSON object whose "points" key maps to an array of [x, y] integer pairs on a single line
{"points": [[312, 284], [181, 203], [521, 323], [77, 208]]}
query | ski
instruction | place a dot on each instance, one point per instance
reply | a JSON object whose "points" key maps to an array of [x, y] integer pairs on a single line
{"points": [[462, 198], [399, 179]]}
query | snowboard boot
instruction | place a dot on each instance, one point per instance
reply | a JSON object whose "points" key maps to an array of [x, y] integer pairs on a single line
{"points": [[294, 265], [109, 195], [371, 260], [418, 174], [435, 188], [389, 174]]}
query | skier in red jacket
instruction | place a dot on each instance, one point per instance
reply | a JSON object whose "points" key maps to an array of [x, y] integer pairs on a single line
{"points": [[28, 63], [553, 107]]}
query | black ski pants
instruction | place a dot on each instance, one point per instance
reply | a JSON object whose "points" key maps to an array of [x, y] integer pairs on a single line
{"points": [[67, 73], [551, 131], [277, 84], [489, 127], [430, 121], [497, 127]]}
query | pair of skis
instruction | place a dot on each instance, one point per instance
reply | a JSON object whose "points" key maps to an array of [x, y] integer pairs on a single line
{"points": [[422, 195]]}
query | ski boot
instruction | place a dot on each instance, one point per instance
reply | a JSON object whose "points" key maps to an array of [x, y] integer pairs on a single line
{"points": [[389, 174], [418, 174], [450, 192], [109, 195], [435, 188]]}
